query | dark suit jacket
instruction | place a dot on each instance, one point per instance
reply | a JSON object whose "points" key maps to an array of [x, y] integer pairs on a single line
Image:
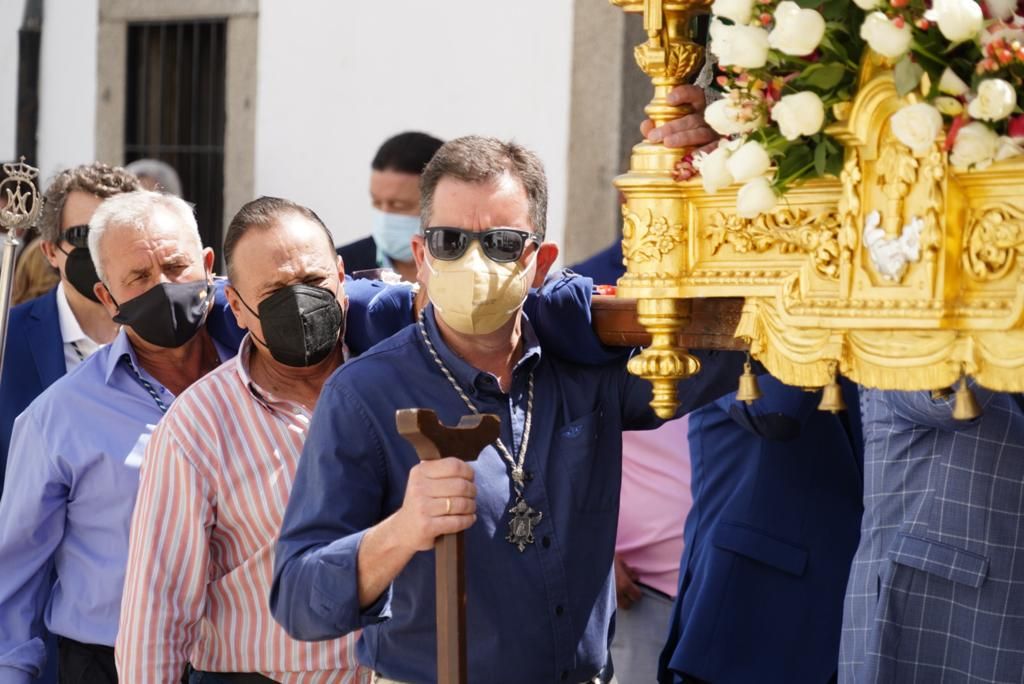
{"points": [[775, 522], [359, 255], [33, 360]]}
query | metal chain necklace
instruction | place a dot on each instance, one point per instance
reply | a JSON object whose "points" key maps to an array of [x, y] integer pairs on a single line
{"points": [[524, 518]]}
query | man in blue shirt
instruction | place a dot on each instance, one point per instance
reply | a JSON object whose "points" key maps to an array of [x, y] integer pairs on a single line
{"points": [[539, 506], [50, 335], [75, 452]]}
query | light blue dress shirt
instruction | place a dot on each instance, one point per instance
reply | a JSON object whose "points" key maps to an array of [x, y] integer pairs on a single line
{"points": [[65, 517]]}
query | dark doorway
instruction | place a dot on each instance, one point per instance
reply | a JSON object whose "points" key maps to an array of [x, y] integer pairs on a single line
{"points": [[175, 110]]}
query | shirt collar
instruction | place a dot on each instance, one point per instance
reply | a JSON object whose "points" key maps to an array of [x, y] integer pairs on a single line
{"points": [[70, 330], [122, 347], [467, 375], [242, 361], [119, 348], [242, 366]]}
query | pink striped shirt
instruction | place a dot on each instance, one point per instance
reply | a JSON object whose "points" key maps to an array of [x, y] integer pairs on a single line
{"points": [[214, 485]]}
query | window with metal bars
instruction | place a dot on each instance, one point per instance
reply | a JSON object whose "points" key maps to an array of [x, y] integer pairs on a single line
{"points": [[175, 110]]}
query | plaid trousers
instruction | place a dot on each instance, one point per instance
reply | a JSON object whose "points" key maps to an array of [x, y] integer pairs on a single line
{"points": [[936, 591]]}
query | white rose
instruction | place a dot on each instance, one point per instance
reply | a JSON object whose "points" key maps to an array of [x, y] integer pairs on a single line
{"points": [[714, 170], [756, 197], [738, 11], [951, 84], [1009, 147], [995, 101], [1001, 9], [729, 119], [740, 46], [958, 20], [750, 161], [797, 31], [917, 126], [883, 36], [799, 114], [867, 5], [976, 145]]}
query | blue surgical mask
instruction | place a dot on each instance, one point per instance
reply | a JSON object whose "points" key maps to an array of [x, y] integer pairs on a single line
{"points": [[393, 234]]}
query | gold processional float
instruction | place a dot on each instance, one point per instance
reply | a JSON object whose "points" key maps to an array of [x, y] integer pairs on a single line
{"points": [[902, 274]]}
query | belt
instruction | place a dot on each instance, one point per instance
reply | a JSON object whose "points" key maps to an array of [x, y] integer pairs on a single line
{"points": [[240, 677], [377, 679]]}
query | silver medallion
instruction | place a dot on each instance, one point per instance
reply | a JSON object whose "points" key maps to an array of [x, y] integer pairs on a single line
{"points": [[520, 527]]}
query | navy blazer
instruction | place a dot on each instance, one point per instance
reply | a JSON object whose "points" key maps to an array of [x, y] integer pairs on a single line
{"points": [[769, 540], [360, 255], [33, 360]]}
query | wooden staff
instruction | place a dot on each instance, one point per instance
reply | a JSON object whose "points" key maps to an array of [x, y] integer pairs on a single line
{"points": [[432, 441]]}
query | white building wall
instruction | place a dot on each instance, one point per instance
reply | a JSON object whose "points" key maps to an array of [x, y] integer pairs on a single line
{"points": [[12, 12], [337, 78], [67, 85]]}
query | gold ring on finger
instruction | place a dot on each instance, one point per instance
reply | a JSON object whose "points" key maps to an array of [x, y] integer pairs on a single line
{"points": [[447, 506]]}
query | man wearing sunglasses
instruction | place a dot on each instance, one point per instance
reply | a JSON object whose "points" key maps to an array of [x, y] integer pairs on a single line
{"points": [[539, 506], [50, 335]]}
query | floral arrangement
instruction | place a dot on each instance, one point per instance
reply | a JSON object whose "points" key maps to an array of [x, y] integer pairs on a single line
{"points": [[788, 68]]}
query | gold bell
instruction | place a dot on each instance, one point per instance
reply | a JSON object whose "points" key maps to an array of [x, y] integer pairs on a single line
{"points": [[966, 406], [832, 393], [748, 391], [832, 397]]}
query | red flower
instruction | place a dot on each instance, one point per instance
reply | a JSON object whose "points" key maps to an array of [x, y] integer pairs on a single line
{"points": [[1016, 127], [954, 129]]}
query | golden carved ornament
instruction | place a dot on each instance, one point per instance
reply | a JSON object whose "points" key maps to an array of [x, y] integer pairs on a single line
{"points": [[904, 273]]}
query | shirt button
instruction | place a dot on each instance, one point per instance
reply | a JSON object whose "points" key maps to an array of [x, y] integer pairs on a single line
{"points": [[546, 542], [559, 610]]}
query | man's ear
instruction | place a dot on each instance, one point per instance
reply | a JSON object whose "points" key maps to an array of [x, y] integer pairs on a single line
{"points": [[235, 302], [208, 259], [49, 251], [106, 299], [419, 255], [341, 269], [547, 254]]}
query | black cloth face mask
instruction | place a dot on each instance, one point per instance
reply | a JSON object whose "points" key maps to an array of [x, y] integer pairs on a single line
{"points": [[80, 272], [169, 314], [301, 323]]}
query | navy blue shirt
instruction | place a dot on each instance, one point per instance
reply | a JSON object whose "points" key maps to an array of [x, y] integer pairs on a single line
{"points": [[538, 616]]}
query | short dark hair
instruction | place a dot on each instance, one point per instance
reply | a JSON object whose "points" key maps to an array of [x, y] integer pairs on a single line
{"points": [[475, 159], [97, 178], [261, 213], [408, 152]]}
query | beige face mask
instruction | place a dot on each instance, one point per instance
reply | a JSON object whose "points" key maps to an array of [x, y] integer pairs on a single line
{"points": [[475, 295]]}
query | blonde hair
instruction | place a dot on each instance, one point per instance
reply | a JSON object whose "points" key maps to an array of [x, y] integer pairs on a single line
{"points": [[33, 276]]}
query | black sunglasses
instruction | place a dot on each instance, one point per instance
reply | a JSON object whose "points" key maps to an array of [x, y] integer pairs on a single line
{"points": [[499, 244], [77, 236]]}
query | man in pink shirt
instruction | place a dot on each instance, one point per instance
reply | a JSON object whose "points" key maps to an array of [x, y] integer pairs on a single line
{"points": [[652, 511], [218, 470]]}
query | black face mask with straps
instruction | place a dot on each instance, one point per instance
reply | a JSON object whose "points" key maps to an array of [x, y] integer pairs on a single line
{"points": [[78, 267], [168, 314], [301, 324]]}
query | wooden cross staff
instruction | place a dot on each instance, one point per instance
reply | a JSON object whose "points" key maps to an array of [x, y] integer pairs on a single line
{"points": [[432, 441]]}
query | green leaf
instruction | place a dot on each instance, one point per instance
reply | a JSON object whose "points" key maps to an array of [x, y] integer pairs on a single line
{"points": [[820, 158], [907, 75], [823, 76], [797, 158]]}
